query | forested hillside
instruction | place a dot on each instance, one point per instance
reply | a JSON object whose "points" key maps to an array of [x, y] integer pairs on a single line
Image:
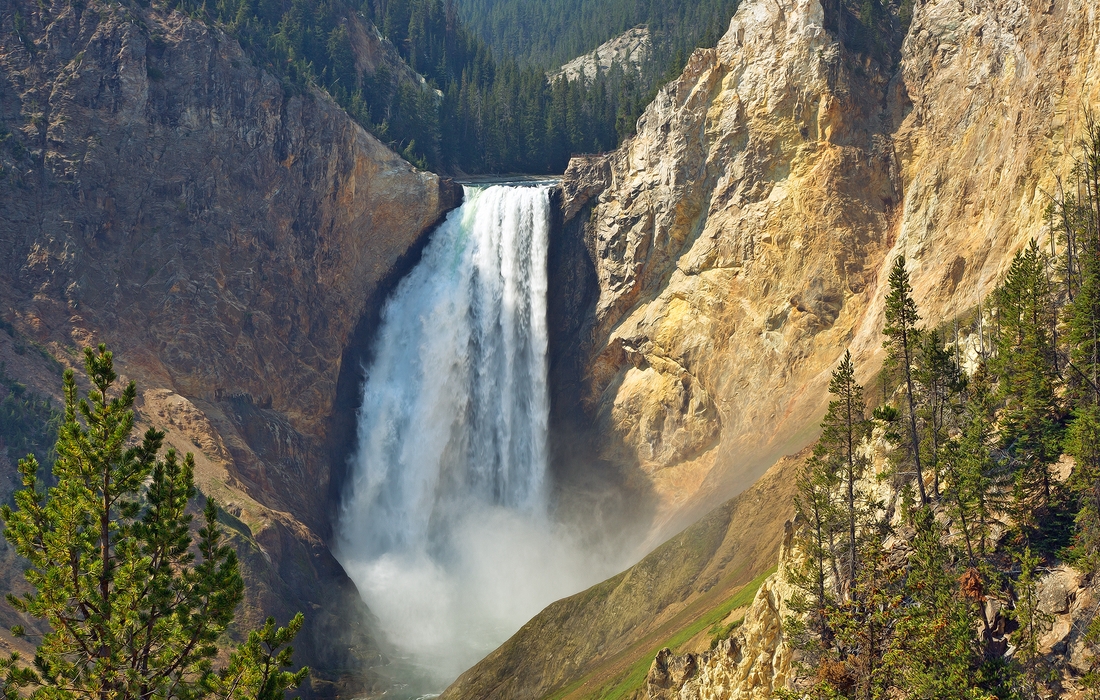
{"points": [[481, 110], [548, 33], [935, 592]]}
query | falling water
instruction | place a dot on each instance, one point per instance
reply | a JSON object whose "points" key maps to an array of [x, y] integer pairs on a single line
{"points": [[445, 528]]}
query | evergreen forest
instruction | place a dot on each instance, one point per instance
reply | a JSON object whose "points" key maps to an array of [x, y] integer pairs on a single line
{"points": [[926, 523], [487, 106], [549, 33]]}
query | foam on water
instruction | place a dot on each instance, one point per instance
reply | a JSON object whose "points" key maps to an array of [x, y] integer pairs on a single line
{"points": [[445, 528]]}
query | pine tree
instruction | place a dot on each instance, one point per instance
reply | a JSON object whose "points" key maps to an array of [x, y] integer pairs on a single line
{"points": [[989, 474], [1091, 678], [941, 381], [864, 625], [832, 508], [842, 431], [828, 497], [934, 651], [1083, 442], [902, 340], [972, 478], [133, 612], [816, 540], [1031, 619], [1027, 379], [14, 677], [1081, 224], [905, 627], [255, 668]]}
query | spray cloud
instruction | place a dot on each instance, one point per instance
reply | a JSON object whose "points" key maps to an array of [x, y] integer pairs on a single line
{"points": [[445, 527]]}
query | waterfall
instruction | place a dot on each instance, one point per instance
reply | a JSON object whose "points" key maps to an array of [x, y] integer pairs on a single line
{"points": [[445, 528]]}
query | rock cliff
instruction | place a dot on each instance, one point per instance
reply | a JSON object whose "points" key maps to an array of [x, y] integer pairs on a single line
{"points": [[226, 235], [741, 237], [739, 244], [629, 51]]}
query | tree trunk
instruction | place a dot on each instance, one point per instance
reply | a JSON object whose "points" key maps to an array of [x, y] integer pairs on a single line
{"points": [[912, 415]]}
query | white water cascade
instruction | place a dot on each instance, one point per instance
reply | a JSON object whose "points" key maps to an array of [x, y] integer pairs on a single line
{"points": [[445, 528]]}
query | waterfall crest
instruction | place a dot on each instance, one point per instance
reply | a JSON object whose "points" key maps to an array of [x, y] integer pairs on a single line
{"points": [[444, 527]]}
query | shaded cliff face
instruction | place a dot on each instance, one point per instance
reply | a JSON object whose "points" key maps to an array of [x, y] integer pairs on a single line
{"points": [[224, 236], [743, 236]]}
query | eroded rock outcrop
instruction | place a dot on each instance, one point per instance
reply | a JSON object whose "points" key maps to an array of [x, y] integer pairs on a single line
{"points": [[742, 240], [629, 51], [224, 234], [751, 664]]}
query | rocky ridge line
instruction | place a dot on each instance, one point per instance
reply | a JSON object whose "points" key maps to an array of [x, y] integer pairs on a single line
{"points": [[629, 51]]}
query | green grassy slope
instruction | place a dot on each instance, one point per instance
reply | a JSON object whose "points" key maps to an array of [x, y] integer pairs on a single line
{"points": [[604, 683]]}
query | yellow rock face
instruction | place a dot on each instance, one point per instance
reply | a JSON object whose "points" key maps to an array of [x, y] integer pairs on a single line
{"points": [[751, 664], [743, 241]]}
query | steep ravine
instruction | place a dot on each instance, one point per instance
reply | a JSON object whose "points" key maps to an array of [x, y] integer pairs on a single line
{"points": [[226, 236], [740, 242]]}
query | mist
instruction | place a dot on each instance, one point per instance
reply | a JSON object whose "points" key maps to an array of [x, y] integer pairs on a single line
{"points": [[501, 569], [445, 527]]}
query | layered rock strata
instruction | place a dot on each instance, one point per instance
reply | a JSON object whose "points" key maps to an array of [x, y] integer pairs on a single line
{"points": [[224, 234]]}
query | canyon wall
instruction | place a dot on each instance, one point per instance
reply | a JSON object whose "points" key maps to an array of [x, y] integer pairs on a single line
{"points": [[740, 243], [226, 234], [737, 247], [630, 51], [741, 238]]}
